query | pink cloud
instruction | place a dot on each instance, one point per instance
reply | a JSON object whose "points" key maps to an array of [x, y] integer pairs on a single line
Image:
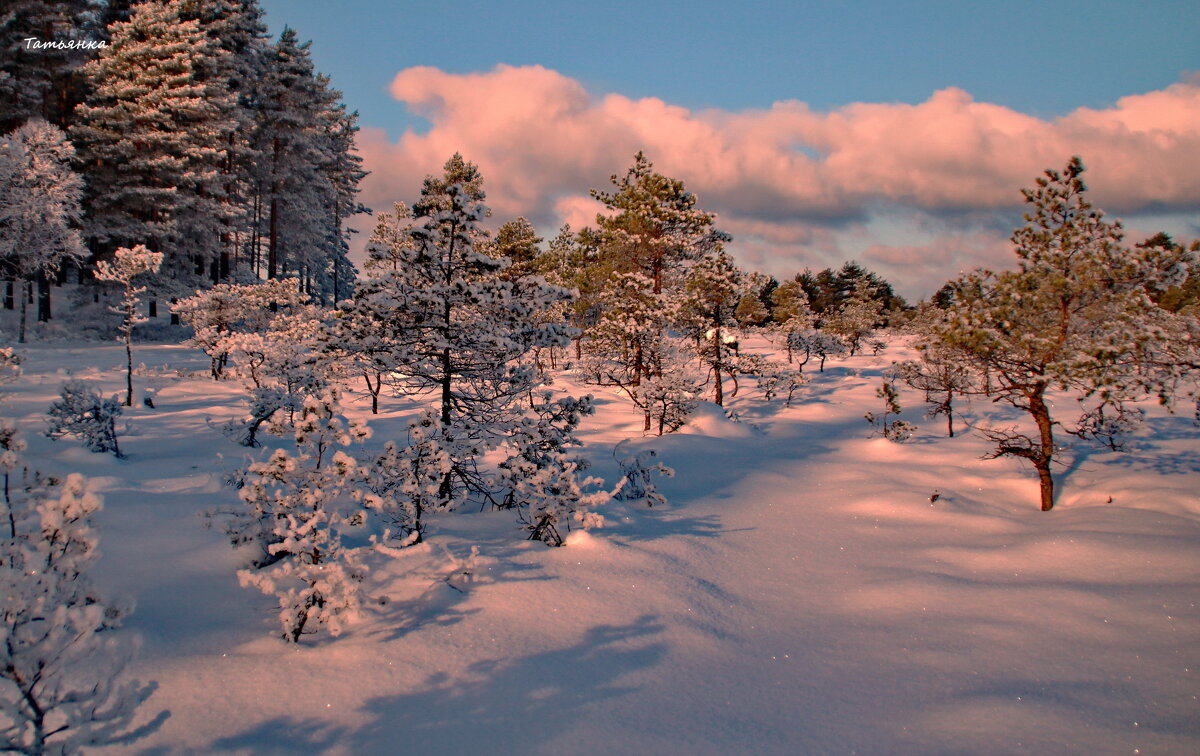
{"points": [[786, 178]]}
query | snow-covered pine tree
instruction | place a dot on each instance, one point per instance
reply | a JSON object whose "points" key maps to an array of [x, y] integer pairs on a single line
{"points": [[216, 314], [403, 483], [237, 28], [283, 367], [126, 266], [39, 210], [941, 372], [80, 411], [308, 174], [892, 430], [653, 226], [713, 288], [1075, 319], [542, 482], [296, 506], [155, 138], [61, 687], [364, 332], [638, 472], [517, 241], [468, 334], [435, 191], [627, 348]]}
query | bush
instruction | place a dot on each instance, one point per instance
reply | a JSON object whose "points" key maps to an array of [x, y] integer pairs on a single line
{"points": [[80, 411]]}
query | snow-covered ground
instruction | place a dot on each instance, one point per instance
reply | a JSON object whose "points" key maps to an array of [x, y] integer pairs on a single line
{"points": [[800, 593]]}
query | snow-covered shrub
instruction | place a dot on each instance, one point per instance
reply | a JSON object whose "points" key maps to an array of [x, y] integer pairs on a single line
{"points": [[80, 411], [219, 313], [283, 367], [774, 378], [638, 472], [60, 664], [816, 344], [295, 507], [404, 482], [541, 481]]}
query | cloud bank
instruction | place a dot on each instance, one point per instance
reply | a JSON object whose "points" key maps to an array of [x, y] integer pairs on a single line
{"points": [[914, 191]]}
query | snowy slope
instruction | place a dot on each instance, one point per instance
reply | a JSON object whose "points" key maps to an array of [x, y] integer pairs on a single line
{"points": [[800, 593]]}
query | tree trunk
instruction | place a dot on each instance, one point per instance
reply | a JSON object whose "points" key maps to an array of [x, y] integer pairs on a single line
{"points": [[1045, 455], [272, 248], [43, 290], [719, 390], [24, 309], [129, 365]]}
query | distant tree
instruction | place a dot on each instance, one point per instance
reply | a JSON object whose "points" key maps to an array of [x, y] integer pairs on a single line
{"points": [[518, 242], [857, 317], [1186, 296], [791, 315], [154, 136], [653, 225], [711, 303], [1075, 318], [39, 210]]}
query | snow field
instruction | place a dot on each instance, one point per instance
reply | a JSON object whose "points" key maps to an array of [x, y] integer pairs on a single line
{"points": [[799, 593]]}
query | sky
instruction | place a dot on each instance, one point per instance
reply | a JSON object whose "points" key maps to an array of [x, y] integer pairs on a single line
{"points": [[895, 134]]}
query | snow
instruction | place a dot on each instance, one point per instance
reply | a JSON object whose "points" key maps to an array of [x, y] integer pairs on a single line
{"points": [[799, 592]]}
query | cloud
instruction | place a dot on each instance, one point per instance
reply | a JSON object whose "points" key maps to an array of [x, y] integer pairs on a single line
{"points": [[792, 184]]}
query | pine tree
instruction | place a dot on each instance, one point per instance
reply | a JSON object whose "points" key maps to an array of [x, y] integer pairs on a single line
{"points": [[713, 287], [653, 226], [155, 137], [297, 506], [518, 242], [60, 662], [308, 174], [1076, 319], [792, 315], [127, 265], [40, 80], [462, 334], [857, 317], [39, 209]]}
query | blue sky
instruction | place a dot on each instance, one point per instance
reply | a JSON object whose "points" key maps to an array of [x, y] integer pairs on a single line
{"points": [[894, 133], [1042, 58]]}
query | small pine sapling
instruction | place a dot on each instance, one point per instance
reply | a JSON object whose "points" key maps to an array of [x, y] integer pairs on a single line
{"points": [[80, 411], [60, 663], [541, 481], [295, 509], [127, 265], [403, 483], [892, 430], [638, 471], [942, 374]]}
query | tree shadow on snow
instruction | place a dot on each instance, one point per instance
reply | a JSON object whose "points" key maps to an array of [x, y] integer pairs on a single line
{"points": [[504, 705]]}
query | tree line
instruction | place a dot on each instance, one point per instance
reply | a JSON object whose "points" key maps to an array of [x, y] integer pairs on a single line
{"points": [[191, 133]]}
